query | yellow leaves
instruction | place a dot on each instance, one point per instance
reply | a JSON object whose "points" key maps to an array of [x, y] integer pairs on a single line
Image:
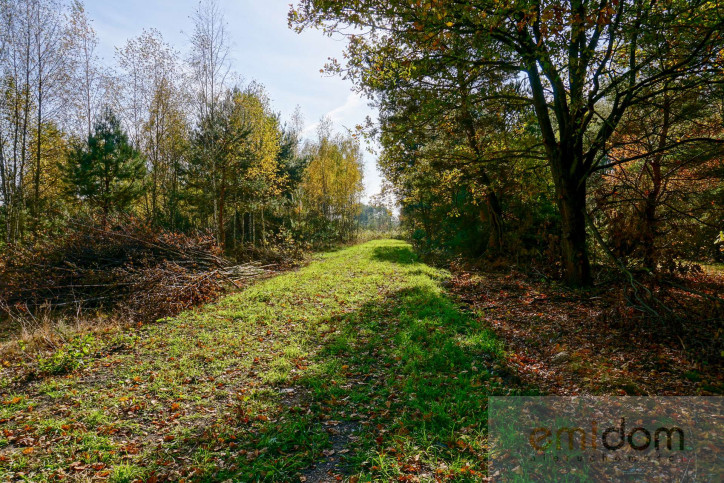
{"points": [[333, 178], [28, 450]]}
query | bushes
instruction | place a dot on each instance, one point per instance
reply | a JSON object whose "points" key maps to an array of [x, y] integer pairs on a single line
{"points": [[69, 357]]}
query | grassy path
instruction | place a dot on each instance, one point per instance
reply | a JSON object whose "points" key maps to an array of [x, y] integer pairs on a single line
{"points": [[358, 365]]}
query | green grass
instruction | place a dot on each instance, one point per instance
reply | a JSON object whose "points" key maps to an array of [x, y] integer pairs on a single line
{"points": [[361, 352]]}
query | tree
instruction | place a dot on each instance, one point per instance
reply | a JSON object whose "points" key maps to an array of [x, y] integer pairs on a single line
{"points": [[107, 172], [209, 55], [439, 115], [292, 163], [332, 185], [50, 73], [234, 167], [48, 176], [153, 109], [33, 73], [217, 160], [375, 217], [585, 62], [657, 201], [17, 73], [210, 69], [90, 86], [263, 180]]}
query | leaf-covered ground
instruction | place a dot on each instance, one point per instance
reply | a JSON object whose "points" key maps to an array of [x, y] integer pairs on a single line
{"points": [[567, 342], [356, 367]]}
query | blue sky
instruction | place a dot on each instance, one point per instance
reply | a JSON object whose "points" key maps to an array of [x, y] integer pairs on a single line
{"points": [[263, 48]]}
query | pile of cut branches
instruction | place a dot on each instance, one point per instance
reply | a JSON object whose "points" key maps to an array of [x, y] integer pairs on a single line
{"points": [[124, 265]]}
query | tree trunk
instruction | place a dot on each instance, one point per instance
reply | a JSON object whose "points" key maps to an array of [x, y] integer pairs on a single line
{"points": [[566, 160], [650, 219], [574, 253], [492, 204], [495, 222], [222, 237], [106, 210], [38, 158], [106, 197], [233, 233], [652, 199]]}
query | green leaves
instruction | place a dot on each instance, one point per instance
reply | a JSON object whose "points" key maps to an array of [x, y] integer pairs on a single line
{"points": [[69, 357], [107, 171]]}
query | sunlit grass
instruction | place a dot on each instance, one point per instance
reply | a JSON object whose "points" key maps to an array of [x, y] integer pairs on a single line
{"points": [[247, 388]]}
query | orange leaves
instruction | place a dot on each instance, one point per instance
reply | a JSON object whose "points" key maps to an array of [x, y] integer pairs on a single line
{"points": [[130, 449]]}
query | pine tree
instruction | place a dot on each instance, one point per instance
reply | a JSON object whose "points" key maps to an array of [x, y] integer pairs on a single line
{"points": [[106, 172]]}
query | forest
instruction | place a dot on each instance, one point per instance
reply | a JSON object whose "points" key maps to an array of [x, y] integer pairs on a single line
{"points": [[179, 142], [195, 288], [560, 121]]}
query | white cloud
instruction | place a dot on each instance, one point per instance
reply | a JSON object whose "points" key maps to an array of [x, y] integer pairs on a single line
{"points": [[348, 115]]}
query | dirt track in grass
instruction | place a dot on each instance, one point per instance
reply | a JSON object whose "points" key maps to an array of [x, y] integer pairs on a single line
{"points": [[358, 367]]}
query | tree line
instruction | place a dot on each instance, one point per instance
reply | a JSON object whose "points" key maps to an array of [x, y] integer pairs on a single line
{"points": [[176, 140], [557, 128]]}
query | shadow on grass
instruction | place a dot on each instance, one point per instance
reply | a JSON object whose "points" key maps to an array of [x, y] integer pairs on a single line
{"points": [[407, 375], [401, 254]]}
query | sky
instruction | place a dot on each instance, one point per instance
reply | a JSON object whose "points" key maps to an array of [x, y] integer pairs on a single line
{"points": [[263, 49]]}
